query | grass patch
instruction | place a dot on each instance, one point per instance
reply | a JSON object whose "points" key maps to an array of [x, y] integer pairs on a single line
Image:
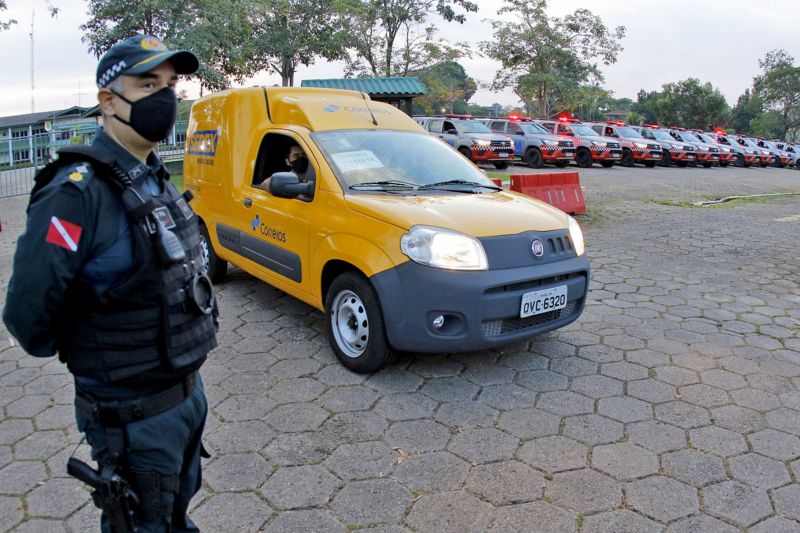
{"points": [[177, 181]]}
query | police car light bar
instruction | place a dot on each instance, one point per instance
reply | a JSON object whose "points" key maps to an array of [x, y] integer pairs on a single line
{"points": [[615, 122], [653, 126], [453, 115]]}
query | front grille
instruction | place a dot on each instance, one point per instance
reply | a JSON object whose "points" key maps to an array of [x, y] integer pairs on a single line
{"points": [[565, 143], [501, 143], [524, 286], [493, 328], [712, 149], [653, 147], [613, 145]]}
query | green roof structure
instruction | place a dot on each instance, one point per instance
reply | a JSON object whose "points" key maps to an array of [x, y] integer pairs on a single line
{"points": [[380, 87]]}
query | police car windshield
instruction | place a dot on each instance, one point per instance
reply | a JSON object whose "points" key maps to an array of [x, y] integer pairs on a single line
{"points": [[376, 156], [705, 138], [628, 133], [663, 136], [584, 130], [534, 129], [468, 126], [688, 137]]}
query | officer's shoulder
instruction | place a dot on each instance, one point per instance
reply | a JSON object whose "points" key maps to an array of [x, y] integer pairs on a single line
{"points": [[78, 174]]}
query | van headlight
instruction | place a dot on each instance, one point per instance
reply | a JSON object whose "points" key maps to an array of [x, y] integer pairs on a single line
{"points": [[576, 236], [443, 248]]}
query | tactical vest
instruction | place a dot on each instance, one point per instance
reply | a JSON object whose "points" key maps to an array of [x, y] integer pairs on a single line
{"points": [[159, 318]]}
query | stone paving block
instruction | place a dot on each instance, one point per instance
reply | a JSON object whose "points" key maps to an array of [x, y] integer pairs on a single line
{"points": [[40, 445], [405, 406], [682, 414], [739, 365], [554, 454], [542, 381], [796, 469], [28, 406], [624, 461], [701, 358], [758, 400], [232, 512], [554, 349], [242, 407], [662, 498], [296, 390], [701, 524], [38, 525], [360, 426], [506, 483], [787, 501], [13, 430], [398, 380], [296, 417], [523, 360], [305, 520], [647, 358], [703, 395], [759, 471], [775, 524], [431, 472], [656, 436], [345, 399], [293, 449], [676, 375], [485, 374], [338, 375], [738, 419], [775, 444], [723, 379], [246, 383], [21, 476], [450, 512], [593, 429], [373, 501], [573, 367], [786, 420], [529, 423], [534, 516], [596, 386], [436, 366], [624, 409], [718, 441], [450, 389], [565, 403], [601, 354], [362, 460], [295, 368], [584, 491], [742, 504], [294, 487], [418, 436], [465, 414], [236, 472], [652, 391], [624, 371], [11, 512], [622, 521], [694, 467], [240, 437], [483, 445], [507, 397], [56, 498]]}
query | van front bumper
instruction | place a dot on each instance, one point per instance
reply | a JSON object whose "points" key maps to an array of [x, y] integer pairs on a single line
{"points": [[480, 309]]}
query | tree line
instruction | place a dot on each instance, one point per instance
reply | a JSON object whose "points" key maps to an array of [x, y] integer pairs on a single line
{"points": [[552, 64]]}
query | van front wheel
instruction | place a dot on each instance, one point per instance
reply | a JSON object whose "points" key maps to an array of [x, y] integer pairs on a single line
{"points": [[216, 267], [354, 324]]}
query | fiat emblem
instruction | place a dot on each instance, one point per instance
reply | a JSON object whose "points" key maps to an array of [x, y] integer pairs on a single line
{"points": [[537, 247]]}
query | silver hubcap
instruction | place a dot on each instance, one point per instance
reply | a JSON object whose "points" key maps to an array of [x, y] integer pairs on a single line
{"points": [[204, 252], [349, 323]]}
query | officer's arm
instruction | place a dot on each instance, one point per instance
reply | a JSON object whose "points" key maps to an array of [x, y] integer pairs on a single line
{"points": [[49, 256]]}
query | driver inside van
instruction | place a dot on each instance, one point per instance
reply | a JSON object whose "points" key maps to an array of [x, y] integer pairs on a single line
{"points": [[296, 161]]}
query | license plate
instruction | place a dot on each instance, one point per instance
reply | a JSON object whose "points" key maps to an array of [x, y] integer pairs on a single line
{"points": [[502, 154], [569, 154], [714, 157], [616, 154], [690, 157], [656, 156], [538, 302]]}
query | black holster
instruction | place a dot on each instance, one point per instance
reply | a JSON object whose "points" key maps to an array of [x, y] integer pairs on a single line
{"points": [[111, 493]]}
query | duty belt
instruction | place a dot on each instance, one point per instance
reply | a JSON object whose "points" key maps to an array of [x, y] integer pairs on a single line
{"points": [[119, 413]]}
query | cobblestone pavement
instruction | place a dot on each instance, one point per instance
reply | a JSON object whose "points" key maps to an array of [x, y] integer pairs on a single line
{"points": [[673, 404]]}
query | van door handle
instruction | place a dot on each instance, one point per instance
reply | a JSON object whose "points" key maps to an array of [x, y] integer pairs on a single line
{"points": [[248, 202]]}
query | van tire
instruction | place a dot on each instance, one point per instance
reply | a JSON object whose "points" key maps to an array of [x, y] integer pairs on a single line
{"points": [[666, 159], [217, 268], [500, 165], [533, 158], [465, 152], [739, 161], [583, 158], [354, 324]]}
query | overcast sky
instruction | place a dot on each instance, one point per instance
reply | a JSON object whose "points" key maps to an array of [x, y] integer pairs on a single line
{"points": [[719, 41]]}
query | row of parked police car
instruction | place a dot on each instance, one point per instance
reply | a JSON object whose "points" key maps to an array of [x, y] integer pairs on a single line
{"points": [[558, 141]]}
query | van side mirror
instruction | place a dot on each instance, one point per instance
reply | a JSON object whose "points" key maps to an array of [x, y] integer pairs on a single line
{"points": [[288, 185]]}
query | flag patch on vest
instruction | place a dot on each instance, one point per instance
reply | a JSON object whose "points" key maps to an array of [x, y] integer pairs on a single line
{"points": [[163, 214], [64, 234]]}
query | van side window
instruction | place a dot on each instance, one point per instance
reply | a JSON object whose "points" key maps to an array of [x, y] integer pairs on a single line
{"points": [[276, 154], [435, 126]]}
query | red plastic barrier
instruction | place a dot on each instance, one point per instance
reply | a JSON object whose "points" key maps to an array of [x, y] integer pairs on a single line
{"points": [[497, 181], [562, 190]]}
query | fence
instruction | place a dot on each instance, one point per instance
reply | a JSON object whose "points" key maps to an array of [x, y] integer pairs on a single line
{"points": [[22, 157]]}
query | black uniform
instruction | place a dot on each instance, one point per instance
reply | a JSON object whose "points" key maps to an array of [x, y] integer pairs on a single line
{"points": [[98, 278]]}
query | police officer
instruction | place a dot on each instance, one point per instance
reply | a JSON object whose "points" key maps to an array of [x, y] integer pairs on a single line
{"points": [[110, 275]]}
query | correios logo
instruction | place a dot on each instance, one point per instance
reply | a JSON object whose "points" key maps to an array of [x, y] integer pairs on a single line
{"points": [[257, 226]]}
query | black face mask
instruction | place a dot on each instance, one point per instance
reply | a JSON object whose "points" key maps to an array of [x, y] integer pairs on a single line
{"points": [[299, 165], [152, 116]]}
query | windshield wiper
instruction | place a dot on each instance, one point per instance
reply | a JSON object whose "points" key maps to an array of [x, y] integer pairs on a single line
{"points": [[386, 184], [445, 184]]}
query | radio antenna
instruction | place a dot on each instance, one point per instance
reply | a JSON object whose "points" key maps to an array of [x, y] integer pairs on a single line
{"points": [[33, 105], [364, 96]]}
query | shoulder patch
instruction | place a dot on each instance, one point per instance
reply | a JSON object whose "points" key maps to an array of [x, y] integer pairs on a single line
{"points": [[76, 174]]}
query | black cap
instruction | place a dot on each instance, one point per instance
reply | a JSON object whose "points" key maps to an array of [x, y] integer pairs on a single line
{"points": [[139, 54]]}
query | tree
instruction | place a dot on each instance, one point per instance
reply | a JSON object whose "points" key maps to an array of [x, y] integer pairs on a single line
{"points": [[289, 33], [768, 124], [688, 103], [447, 87], [779, 88], [543, 58], [10, 22], [391, 38], [748, 106]]}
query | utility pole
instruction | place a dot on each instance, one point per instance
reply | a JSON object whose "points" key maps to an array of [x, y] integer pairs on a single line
{"points": [[33, 103]]}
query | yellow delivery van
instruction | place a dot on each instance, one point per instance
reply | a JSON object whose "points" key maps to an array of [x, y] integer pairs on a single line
{"points": [[350, 206]]}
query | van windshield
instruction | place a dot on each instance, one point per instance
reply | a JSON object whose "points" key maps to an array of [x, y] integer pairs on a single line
{"points": [[417, 159], [468, 126]]}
